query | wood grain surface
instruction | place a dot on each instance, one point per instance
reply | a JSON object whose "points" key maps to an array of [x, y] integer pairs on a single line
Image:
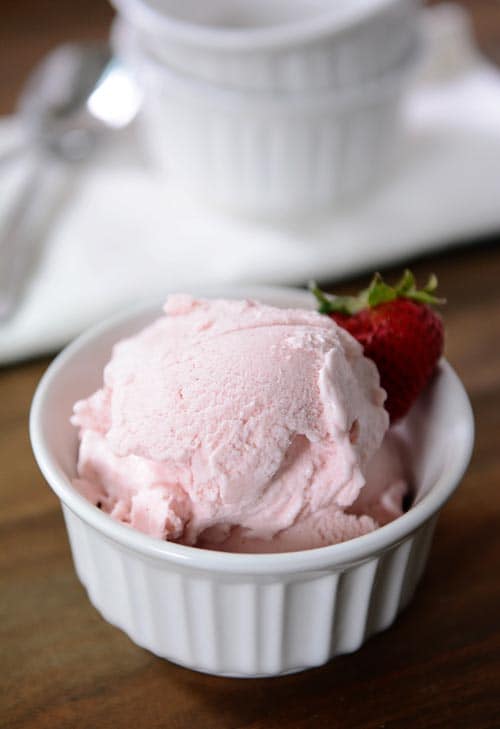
{"points": [[62, 666]]}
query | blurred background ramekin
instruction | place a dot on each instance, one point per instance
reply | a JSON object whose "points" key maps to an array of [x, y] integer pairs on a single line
{"points": [[262, 152], [240, 614]]}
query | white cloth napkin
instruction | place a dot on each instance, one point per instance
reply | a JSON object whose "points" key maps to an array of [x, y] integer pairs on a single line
{"points": [[113, 233]]}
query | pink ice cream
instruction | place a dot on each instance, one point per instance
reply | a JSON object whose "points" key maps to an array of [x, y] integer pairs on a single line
{"points": [[239, 426]]}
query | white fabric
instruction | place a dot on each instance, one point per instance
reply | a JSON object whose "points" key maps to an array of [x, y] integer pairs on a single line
{"points": [[115, 233]]}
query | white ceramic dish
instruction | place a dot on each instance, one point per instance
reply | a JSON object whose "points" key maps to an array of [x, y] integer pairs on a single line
{"points": [[246, 615], [273, 45], [266, 154]]}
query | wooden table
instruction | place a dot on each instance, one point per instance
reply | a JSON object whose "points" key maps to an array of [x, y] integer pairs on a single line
{"points": [[62, 666]]}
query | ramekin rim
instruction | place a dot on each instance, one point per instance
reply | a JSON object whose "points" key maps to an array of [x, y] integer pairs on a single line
{"points": [[349, 552], [298, 32], [263, 101]]}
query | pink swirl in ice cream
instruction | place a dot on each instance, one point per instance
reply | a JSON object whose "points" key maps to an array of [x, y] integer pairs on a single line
{"points": [[239, 426]]}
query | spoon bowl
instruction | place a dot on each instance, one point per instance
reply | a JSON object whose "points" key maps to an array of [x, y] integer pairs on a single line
{"points": [[75, 94]]}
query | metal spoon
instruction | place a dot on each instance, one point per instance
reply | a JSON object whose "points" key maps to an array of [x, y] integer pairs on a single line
{"points": [[70, 102]]}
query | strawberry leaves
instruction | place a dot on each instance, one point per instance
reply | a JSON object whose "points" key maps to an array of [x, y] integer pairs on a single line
{"points": [[378, 292]]}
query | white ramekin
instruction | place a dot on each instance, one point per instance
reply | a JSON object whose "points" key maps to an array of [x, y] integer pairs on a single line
{"points": [[291, 46], [263, 154], [246, 615]]}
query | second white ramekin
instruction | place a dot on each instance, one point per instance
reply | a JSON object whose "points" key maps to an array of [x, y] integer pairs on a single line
{"points": [[280, 46], [241, 614], [261, 154]]}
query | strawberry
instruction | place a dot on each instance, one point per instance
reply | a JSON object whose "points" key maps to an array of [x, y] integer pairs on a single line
{"points": [[398, 330]]}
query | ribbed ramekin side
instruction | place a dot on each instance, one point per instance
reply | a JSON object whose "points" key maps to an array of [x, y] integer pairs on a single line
{"points": [[134, 593], [371, 595], [245, 625], [274, 163]]}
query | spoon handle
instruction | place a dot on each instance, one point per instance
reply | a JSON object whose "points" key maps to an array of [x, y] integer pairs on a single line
{"points": [[14, 153], [19, 241]]}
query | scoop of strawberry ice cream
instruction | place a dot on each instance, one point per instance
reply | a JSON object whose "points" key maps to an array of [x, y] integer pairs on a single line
{"points": [[226, 421]]}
